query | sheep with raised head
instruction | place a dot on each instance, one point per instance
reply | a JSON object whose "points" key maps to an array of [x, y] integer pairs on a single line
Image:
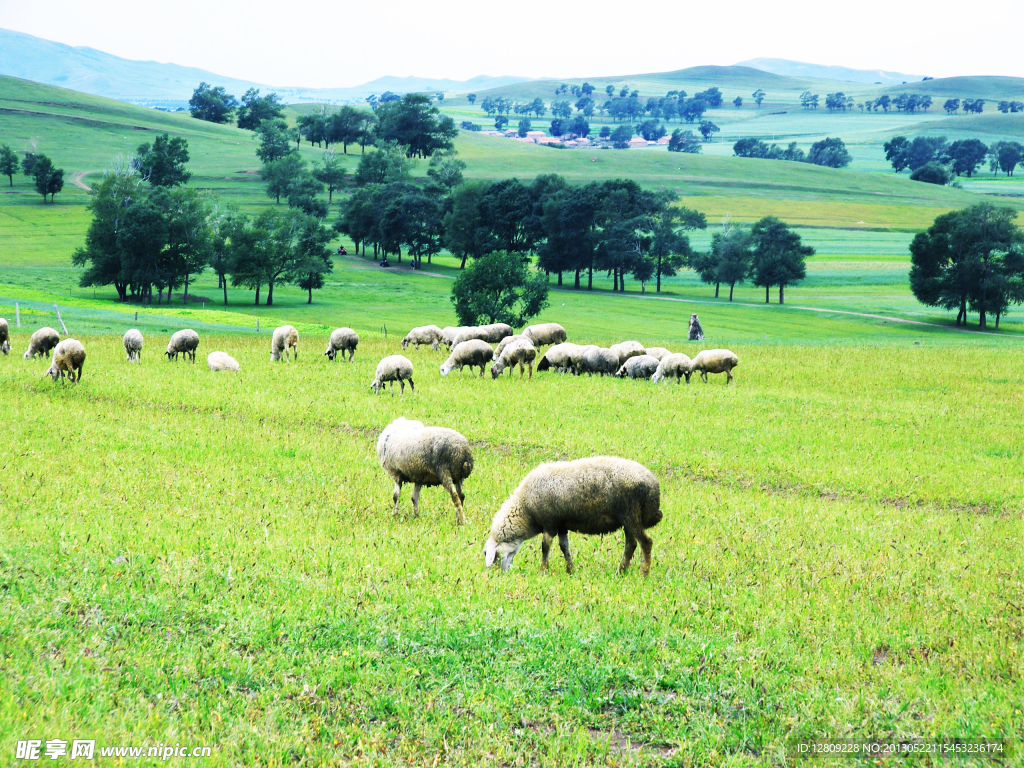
{"points": [[713, 361], [424, 334], [391, 369], [628, 349], [559, 357], [42, 342], [640, 367], [222, 361], [342, 340], [600, 361], [184, 343], [285, 338], [68, 360], [133, 345], [505, 342], [473, 353], [425, 456], [521, 353], [675, 366], [598, 495], [658, 352], [5, 337], [545, 334]]}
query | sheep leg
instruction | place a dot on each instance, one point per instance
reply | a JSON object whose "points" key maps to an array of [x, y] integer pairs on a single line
{"points": [[457, 497], [530, 377], [78, 377], [412, 386], [401, 384], [728, 376], [545, 551], [563, 544], [396, 494], [416, 499], [627, 554]]}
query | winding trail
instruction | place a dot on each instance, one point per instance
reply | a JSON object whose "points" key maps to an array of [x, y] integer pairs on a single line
{"points": [[76, 179]]}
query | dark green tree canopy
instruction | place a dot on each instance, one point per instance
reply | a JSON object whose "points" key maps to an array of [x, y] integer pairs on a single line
{"points": [[214, 105], [830, 152], [498, 288], [8, 163], [275, 141], [256, 109], [49, 179], [163, 163], [779, 256], [416, 125]]}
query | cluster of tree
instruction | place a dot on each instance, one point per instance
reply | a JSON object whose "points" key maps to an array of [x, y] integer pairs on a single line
{"points": [[162, 237], [905, 102], [943, 160], [48, 178], [1010, 106], [499, 288], [970, 260], [769, 254], [346, 126], [216, 105], [683, 141], [830, 152], [976, 106]]}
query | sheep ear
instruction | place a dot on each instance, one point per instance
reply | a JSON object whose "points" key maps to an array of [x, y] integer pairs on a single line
{"points": [[490, 552]]}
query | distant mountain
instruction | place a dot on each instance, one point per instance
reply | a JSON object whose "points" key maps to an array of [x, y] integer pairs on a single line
{"points": [[821, 72], [150, 82]]}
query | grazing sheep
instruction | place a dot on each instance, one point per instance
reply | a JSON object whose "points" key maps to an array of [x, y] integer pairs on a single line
{"points": [[342, 340], [5, 337], [492, 333], [544, 334], [576, 357], [505, 342], [497, 331], [42, 341], [391, 369], [628, 349], [425, 456], [470, 353], [658, 352], [642, 367], [68, 359], [559, 357], [183, 342], [601, 361], [448, 334], [675, 366], [284, 338], [521, 353], [424, 334], [713, 361], [595, 496], [222, 361], [133, 345]]}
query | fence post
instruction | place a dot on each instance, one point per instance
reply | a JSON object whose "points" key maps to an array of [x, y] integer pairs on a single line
{"points": [[385, 331], [60, 320], [17, 314]]}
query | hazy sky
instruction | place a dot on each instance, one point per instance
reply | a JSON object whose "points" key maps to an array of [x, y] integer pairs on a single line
{"points": [[321, 44]]}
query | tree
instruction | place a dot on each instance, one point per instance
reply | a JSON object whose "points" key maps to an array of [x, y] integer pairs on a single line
{"points": [[48, 178], [779, 256], [524, 127], [708, 129], [507, 211], [758, 96], [385, 165], [465, 234], [279, 174], [163, 164], [302, 193], [569, 229], [620, 137], [445, 170], [931, 173], [189, 238], [694, 109], [330, 173], [651, 130], [737, 102], [500, 122], [313, 127], [312, 258], [256, 109], [498, 288], [416, 125], [8, 163], [951, 106], [275, 141], [214, 105], [669, 249], [896, 152], [684, 141], [966, 156], [829, 152], [712, 97], [471, 97], [1009, 155]]}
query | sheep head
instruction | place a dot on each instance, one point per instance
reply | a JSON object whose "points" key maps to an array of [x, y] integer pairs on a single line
{"points": [[405, 342], [497, 369], [506, 549]]}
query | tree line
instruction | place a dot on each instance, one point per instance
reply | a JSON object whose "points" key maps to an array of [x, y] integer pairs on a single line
{"points": [[830, 152], [932, 159], [48, 178]]}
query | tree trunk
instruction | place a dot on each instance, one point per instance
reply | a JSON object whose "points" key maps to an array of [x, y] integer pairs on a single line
{"points": [[731, 286], [270, 293], [257, 295], [577, 285], [997, 319], [184, 296], [463, 264], [225, 281], [658, 288], [310, 301], [716, 289], [330, 194], [782, 293], [590, 278], [559, 279], [766, 298]]}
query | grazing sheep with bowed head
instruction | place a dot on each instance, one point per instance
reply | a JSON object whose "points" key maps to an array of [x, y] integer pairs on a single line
{"points": [[424, 334], [505, 342], [285, 338], [675, 366], [133, 345], [470, 353], [658, 352], [642, 367], [601, 361], [222, 361], [521, 353], [595, 496], [425, 456], [342, 340], [5, 337], [448, 334], [628, 349], [391, 369], [713, 361], [492, 333], [544, 334], [68, 359], [42, 341], [559, 357], [183, 342]]}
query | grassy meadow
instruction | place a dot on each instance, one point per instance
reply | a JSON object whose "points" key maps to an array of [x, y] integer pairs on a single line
{"points": [[211, 559]]}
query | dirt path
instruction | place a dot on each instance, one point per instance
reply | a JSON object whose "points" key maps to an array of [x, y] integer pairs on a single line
{"points": [[360, 263], [76, 179]]}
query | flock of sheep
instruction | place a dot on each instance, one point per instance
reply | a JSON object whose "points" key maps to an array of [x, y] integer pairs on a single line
{"points": [[596, 495]]}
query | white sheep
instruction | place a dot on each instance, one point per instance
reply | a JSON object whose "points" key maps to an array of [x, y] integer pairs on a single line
{"points": [[342, 340], [600, 361], [713, 361], [448, 334], [285, 337], [521, 353], [492, 333], [598, 495], [658, 352], [425, 456], [42, 342], [544, 334], [576, 357], [640, 367], [472, 353], [222, 361], [424, 334], [5, 337], [68, 359], [559, 357], [675, 366], [391, 369], [628, 349], [133, 345], [184, 343]]}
